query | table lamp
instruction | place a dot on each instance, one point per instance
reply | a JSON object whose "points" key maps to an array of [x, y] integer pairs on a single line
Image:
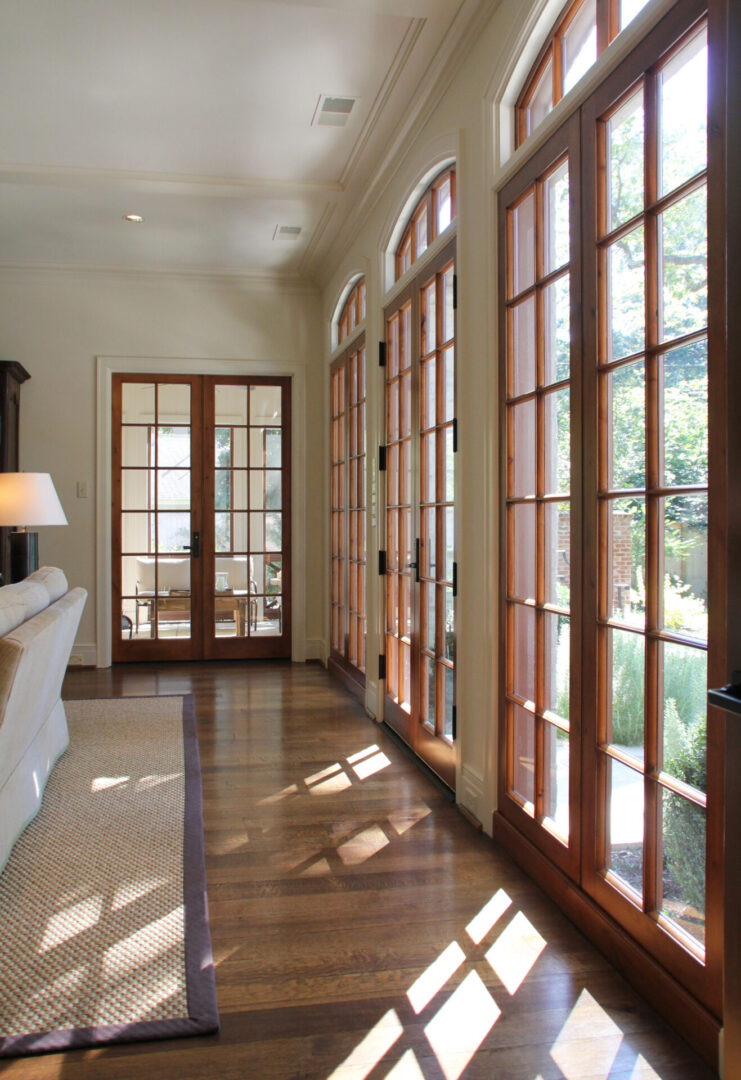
{"points": [[27, 499]]}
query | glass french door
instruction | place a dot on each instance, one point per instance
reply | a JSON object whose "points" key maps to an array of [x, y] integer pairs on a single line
{"points": [[201, 517], [420, 569], [607, 760]]}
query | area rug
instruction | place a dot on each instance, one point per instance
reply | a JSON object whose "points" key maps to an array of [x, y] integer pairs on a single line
{"points": [[103, 916]]}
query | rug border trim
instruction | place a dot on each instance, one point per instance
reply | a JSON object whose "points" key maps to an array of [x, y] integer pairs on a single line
{"points": [[203, 1017]]}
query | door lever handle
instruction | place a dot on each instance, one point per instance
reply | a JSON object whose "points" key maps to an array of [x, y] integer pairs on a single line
{"points": [[196, 547]]}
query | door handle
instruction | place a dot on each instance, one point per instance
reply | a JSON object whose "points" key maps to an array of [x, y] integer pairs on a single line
{"points": [[196, 546], [415, 565]]}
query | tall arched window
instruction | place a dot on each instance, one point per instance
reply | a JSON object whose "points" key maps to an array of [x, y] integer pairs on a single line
{"points": [[430, 217], [610, 458], [347, 491], [582, 33]]}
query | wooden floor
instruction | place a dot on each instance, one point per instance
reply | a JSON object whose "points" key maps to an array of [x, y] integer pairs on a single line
{"points": [[361, 926]]}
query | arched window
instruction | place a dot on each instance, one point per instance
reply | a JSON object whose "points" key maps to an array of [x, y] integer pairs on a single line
{"points": [[583, 31], [353, 311], [430, 217]]}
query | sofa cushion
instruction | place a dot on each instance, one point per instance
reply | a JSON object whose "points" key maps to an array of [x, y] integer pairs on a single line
{"points": [[20, 602], [52, 579]]}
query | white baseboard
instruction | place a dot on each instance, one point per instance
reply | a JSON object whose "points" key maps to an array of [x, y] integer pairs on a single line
{"points": [[83, 656], [316, 649], [371, 698], [471, 792]]}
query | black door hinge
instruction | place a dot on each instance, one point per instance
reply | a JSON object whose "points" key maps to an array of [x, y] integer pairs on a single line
{"points": [[455, 292], [455, 723], [455, 579], [455, 434], [382, 354], [382, 459], [381, 561], [381, 666]]}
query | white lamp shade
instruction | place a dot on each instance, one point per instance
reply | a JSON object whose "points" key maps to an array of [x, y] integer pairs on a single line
{"points": [[29, 499]]}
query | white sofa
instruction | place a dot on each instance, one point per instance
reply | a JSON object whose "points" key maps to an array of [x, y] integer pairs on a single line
{"points": [[38, 623]]}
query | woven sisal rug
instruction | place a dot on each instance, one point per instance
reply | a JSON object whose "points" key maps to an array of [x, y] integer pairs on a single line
{"points": [[103, 918]]}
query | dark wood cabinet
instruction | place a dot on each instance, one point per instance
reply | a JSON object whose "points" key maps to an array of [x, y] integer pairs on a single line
{"points": [[12, 375]]}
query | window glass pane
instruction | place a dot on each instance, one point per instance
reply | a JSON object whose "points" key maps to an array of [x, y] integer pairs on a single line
{"points": [[429, 393], [522, 348], [523, 550], [173, 403], [626, 310], [556, 664], [625, 706], [629, 9], [444, 205], [428, 691], [448, 466], [173, 489], [135, 533], [541, 100], [557, 411], [428, 544], [684, 113], [448, 362], [223, 532], [523, 243], [173, 616], [448, 312], [522, 419], [230, 405], [428, 467], [449, 540], [420, 232], [556, 779], [449, 642], [626, 561], [173, 532], [449, 680], [625, 824], [684, 835], [173, 447], [265, 405], [685, 676], [626, 449], [429, 609], [684, 599], [522, 645], [429, 318], [624, 137], [135, 445], [557, 554], [223, 489], [685, 412], [557, 330], [135, 489], [523, 738], [556, 209], [580, 44], [684, 259], [137, 403]]}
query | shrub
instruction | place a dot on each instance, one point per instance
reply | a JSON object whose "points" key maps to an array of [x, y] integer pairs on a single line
{"points": [[684, 823]]}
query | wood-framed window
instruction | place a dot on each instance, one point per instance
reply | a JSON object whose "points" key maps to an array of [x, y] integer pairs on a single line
{"points": [[430, 217], [608, 762], [348, 550], [353, 311], [579, 36]]}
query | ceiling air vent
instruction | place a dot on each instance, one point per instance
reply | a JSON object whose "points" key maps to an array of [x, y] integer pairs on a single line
{"points": [[333, 111], [287, 232]]}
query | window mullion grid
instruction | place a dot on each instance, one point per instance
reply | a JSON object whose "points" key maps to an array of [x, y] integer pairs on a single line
{"points": [[155, 607], [652, 731], [540, 487], [439, 489]]}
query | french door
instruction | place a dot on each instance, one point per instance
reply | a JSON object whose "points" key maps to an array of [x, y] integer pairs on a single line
{"points": [[608, 763], [420, 570], [201, 517]]}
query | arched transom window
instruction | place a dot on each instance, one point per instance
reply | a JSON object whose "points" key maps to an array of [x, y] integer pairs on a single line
{"points": [[353, 311], [583, 31], [430, 217]]}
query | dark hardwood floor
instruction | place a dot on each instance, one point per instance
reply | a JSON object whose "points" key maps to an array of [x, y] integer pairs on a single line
{"points": [[361, 926]]}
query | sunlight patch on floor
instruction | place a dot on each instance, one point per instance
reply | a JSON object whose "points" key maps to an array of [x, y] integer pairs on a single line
{"points": [[103, 783], [406, 1068], [515, 952], [354, 758], [135, 890], [371, 1050], [431, 981], [491, 912], [406, 819], [144, 945], [279, 796], [363, 846], [371, 765], [316, 777], [339, 782], [588, 1030], [458, 1029]]}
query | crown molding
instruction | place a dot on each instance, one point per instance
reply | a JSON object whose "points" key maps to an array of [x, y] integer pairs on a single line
{"points": [[253, 279]]}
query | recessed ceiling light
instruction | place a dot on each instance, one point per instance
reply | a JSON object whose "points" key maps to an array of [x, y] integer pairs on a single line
{"points": [[135, 218]]}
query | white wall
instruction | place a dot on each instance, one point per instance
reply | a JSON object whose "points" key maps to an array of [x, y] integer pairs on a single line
{"points": [[56, 323]]}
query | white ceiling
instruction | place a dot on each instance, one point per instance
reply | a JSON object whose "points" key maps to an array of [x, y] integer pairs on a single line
{"points": [[197, 114]]}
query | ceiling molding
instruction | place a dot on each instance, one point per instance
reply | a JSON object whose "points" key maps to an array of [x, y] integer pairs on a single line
{"points": [[288, 282], [470, 20], [223, 186], [393, 74]]}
